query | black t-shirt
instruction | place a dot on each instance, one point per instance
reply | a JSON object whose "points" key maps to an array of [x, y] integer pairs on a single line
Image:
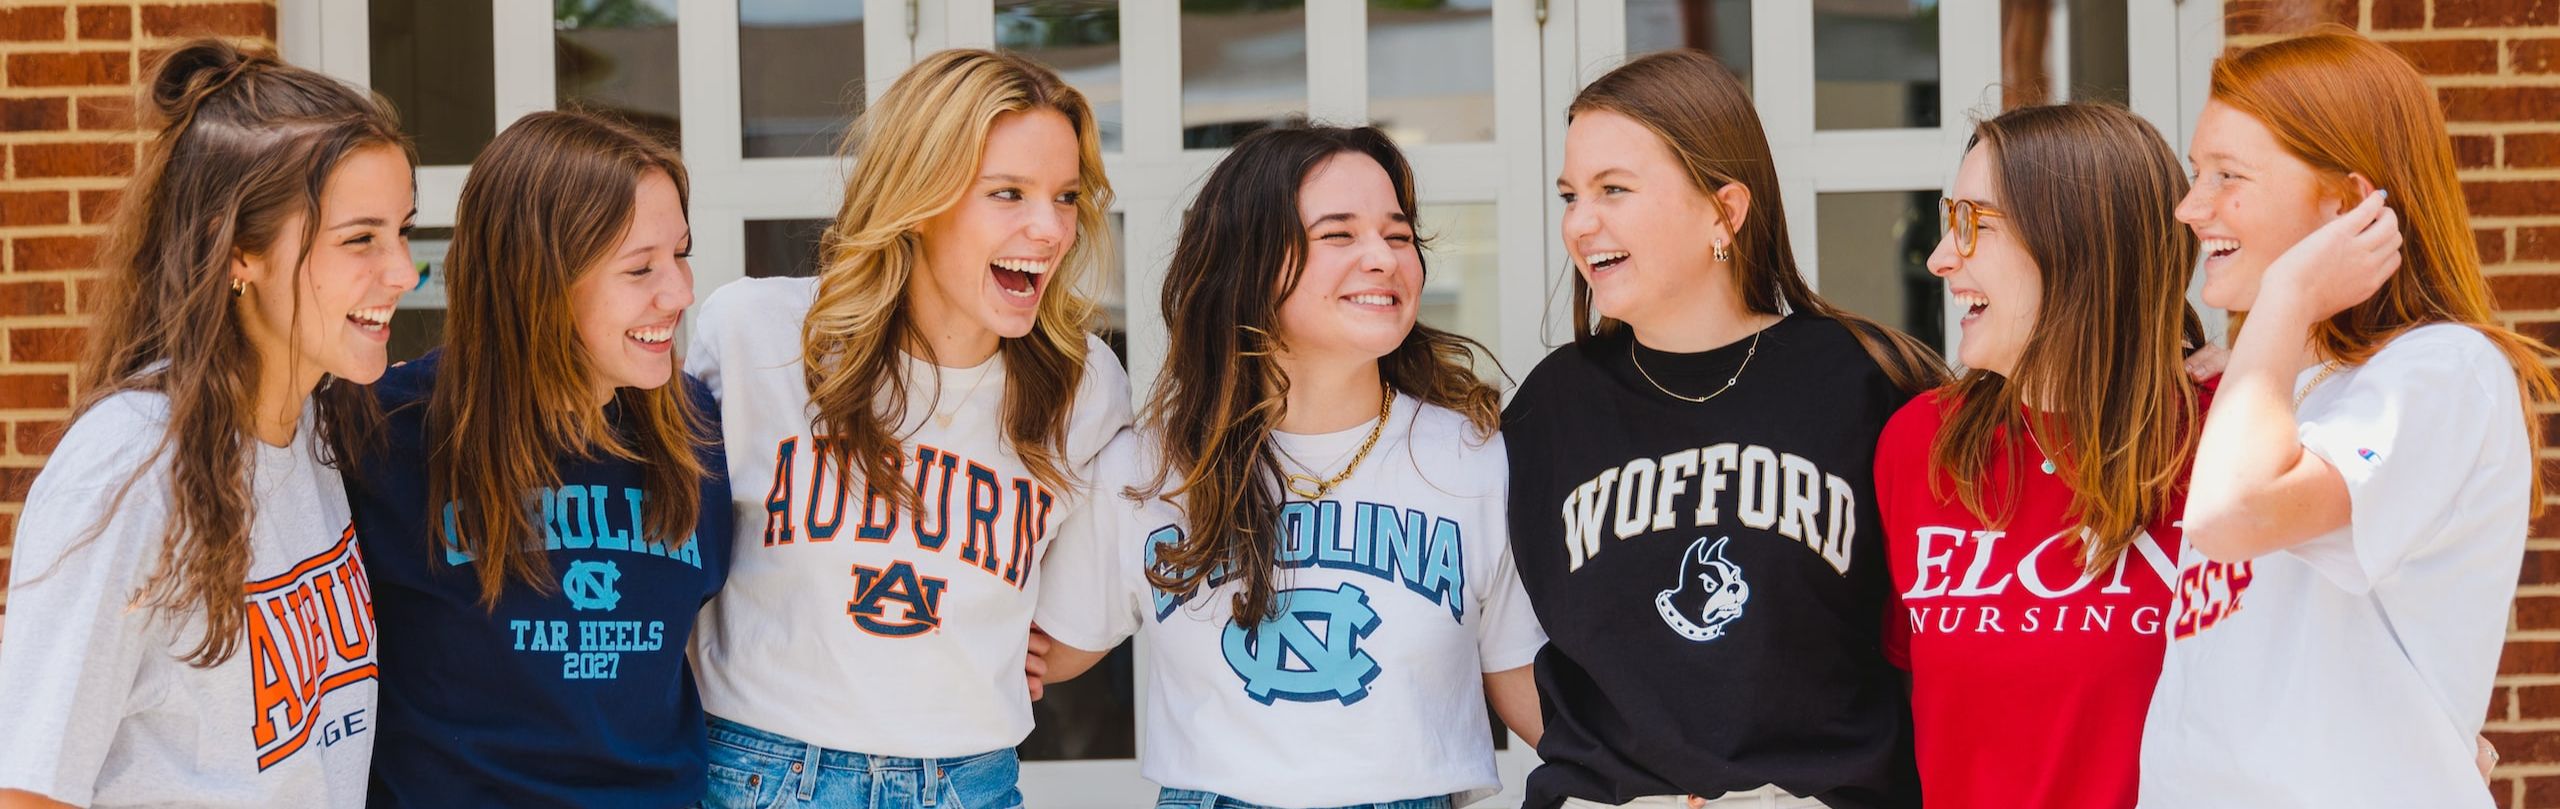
{"points": [[1711, 574]]}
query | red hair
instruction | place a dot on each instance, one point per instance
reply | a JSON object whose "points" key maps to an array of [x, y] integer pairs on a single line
{"points": [[2345, 104]]}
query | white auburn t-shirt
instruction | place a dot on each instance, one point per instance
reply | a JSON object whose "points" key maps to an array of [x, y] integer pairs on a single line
{"points": [[98, 706], [2355, 669], [848, 622], [1398, 596]]}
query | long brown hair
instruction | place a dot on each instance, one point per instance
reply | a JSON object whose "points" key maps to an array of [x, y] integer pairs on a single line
{"points": [[1241, 252], [913, 153], [245, 143], [546, 203], [2091, 191], [2345, 104], [1700, 110]]}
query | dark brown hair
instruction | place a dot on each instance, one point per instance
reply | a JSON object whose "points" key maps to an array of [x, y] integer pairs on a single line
{"points": [[546, 204], [245, 143], [1704, 115], [2091, 192], [1241, 252]]}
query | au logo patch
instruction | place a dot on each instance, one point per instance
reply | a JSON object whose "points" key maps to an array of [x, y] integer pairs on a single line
{"points": [[589, 586], [1288, 657]]}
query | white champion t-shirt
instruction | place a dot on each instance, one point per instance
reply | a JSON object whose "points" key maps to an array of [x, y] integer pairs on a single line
{"points": [[2355, 669], [848, 622], [1399, 595], [102, 710]]}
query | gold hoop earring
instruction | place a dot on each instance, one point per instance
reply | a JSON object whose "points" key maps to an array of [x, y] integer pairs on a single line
{"points": [[1723, 253], [239, 287]]}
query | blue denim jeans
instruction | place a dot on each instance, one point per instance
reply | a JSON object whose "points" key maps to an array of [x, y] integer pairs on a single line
{"points": [[1195, 799], [754, 769]]}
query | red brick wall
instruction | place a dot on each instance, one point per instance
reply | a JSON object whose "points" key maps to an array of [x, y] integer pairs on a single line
{"points": [[68, 74], [2496, 67]]}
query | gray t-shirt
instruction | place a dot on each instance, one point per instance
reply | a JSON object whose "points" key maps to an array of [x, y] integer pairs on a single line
{"points": [[101, 709]]}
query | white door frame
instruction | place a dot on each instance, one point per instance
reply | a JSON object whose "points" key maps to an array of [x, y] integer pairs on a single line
{"points": [[1544, 51]]}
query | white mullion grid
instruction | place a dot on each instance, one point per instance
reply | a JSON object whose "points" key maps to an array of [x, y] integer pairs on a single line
{"points": [[523, 70], [933, 21], [1338, 61], [886, 49], [2057, 55], [1152, 176], [1782, 87], [1599, 36], [2151, 27], [1523, 233], [2197, 40], [968, 23], [1560, 76], [1969, 60]]}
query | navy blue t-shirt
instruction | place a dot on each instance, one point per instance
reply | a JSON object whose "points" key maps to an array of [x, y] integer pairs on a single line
{"points": [[579, 696]]}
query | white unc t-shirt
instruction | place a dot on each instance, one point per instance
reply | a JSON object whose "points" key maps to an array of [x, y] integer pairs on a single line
{"points": [[2355, 669], [1399, 596], [847, 621]]}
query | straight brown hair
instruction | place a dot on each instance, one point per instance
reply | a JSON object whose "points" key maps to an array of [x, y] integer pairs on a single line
{"points": [[1241, 252], [1704, 114], [245, 143], [546, 204], [2091, 191]]}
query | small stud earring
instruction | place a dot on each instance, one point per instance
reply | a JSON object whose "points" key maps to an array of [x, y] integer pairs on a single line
{"points": [[1723, 253]]}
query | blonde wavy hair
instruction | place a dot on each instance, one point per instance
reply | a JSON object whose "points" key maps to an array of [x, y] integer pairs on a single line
{"points": [[913, 153]]}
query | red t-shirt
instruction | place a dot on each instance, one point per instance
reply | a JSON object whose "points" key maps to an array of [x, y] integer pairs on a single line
{"points": [[2029, 680]]}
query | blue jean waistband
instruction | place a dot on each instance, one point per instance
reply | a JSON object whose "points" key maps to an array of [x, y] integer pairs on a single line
{"points": [[755, 740], [1210, 800]]}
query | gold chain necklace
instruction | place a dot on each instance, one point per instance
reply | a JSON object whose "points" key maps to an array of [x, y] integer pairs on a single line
{"points": [[1317, 489], [2326, 369], [1728, 382]]}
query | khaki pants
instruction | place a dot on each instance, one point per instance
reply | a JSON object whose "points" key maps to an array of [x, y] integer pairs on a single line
{"points": [[1762, 798]]}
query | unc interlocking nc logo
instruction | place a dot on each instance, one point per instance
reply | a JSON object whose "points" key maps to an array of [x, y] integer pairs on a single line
{"points": [[589, 586], [1285, 658]]}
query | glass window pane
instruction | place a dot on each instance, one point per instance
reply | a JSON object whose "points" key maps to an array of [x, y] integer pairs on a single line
{"points": [[1461, 291], [799, 74], [418, 325], [780, 248], [1875, 64], [433, 61], [2062, 50], [1244, 68], [1078, 38], [1431, 70], [1875, 258], [1089, 717], [618, 57], [1719, 27]]}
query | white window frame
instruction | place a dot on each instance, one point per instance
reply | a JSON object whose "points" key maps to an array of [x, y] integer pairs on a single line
{"points": [[1544, 51]]}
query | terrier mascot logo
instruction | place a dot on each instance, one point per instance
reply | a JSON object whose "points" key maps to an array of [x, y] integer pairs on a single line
{"points": [[1710, 588]]}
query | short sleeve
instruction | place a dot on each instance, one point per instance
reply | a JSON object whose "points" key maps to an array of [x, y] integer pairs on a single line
{"points": [[1089, 574], [702, 351], [1102, 406], [2408, 432], [76, 644], [1508, 637]]}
